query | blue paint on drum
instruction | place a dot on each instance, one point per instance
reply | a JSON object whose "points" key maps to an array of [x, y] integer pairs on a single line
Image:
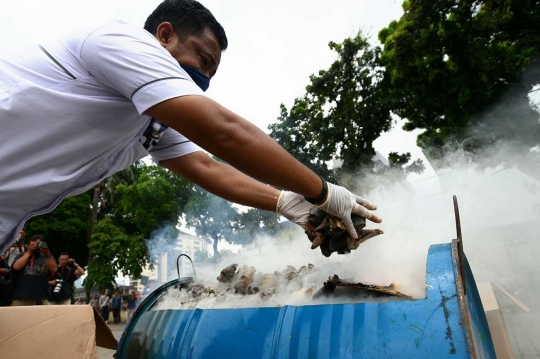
{"points": [[446, 324]]}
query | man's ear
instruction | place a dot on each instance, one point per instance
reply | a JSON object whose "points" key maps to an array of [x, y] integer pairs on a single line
{"points": [[165, 34]]}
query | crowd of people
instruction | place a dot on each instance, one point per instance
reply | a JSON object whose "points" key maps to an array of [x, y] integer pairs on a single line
{"points": [[30, 275], [105, 304]]}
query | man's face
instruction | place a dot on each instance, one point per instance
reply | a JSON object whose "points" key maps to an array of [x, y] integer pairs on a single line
{"points": [[33, 245], [202, 51], [116, 294], [63, 261]]}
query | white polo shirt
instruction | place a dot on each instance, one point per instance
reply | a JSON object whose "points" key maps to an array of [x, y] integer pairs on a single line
{"points": [[72, 114]]}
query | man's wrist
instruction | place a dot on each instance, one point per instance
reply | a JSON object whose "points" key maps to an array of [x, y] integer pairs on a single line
{"points": [[322, 196]]}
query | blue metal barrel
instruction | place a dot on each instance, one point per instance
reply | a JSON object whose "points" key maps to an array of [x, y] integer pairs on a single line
{"points": [[449, 323]]}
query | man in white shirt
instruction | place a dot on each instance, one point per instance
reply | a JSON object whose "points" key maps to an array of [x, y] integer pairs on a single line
{"points": [[79, 109], [104, 302]]}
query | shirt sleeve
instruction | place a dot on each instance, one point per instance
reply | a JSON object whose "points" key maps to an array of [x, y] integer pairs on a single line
{"points": [[172, 144], [131, 61]]}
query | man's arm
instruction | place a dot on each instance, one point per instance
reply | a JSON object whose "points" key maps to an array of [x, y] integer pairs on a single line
{"points": [[236, 141], [79, 271], [51, 262], [251, 151], [20, 263], [223, 180]]}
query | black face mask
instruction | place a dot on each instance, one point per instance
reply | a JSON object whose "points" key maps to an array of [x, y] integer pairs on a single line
{"points": [[197, 76]]}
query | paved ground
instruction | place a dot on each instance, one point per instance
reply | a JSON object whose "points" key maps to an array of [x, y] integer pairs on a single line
{"points": [[107, 353]]}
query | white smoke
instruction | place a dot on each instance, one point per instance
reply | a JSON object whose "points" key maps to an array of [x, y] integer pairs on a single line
{"points": [[493, 202]]}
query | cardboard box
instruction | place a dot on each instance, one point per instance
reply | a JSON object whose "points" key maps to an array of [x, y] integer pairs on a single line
{"points": [[495, 320], [53, 331]]}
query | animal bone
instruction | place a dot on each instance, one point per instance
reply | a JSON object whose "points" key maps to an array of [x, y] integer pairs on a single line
{"points": [[330, 235], [227, 273]]}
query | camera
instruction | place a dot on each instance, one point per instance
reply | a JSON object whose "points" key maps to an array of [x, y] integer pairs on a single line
{"points": [[43, 245], [20, 240], [58, 286]]}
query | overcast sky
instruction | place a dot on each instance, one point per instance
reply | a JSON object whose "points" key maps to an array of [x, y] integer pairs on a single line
{"points": [[274, 45]]}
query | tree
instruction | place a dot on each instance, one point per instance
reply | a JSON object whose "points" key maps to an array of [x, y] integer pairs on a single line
{"points": [[255, 222], [65, 228], [119, 240], [213, 218], [113, 251], [450, 62], [156, 200], [345, 109]]}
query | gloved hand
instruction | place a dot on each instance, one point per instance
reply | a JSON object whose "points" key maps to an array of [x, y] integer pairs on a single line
{"points": [[294, 207], [341, 203]]}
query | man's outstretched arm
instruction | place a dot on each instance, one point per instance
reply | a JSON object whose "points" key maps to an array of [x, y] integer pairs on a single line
{"points": [[223, 180], [251, 151], [236, 141], [229, 183]]}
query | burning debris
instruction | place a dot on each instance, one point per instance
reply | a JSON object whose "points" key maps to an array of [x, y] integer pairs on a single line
{"points": [[245, 281], [329, 233], [334, 281]]}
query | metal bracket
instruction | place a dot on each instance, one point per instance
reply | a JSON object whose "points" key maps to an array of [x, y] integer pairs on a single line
{"points": [[178, 267], [459, 244]]}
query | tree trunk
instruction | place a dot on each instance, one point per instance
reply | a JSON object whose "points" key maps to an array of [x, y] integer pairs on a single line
{"points": [[214, 245], [93, 219]]}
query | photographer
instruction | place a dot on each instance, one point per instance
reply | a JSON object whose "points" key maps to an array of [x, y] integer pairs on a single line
{"points": [[62, 281], [16, 248], [32, 269]]}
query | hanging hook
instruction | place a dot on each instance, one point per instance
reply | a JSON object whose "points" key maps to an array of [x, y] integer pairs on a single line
{"points": [[178, 267]]}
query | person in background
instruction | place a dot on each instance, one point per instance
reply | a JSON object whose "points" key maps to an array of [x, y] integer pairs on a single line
{"points": [[62, 281], [116, 307], [33, 268], [16, 248], [7, 284], [132, 304], [78, 302], [104, 302], [94, 302]]}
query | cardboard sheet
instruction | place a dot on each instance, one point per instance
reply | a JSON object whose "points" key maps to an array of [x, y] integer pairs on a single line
{"points": [[52, 331]]}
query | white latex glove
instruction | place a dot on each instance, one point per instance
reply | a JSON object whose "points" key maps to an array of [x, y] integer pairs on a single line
{"points": [[341, 203], [294, 207]]}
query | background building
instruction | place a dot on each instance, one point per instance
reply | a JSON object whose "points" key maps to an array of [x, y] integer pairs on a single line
{"points": [[165, 269]]}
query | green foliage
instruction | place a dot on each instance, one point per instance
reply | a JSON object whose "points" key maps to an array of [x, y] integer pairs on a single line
{"points": [[113, 250], [450, 61], [345, 109], [157, 199], [213, 218], [255, 222], [400, 161], [65, 228], [129, 207]]}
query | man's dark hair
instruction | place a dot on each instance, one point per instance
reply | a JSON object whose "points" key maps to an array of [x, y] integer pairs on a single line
{"points": [[64, 254], [36, 237], [188, 17]]}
